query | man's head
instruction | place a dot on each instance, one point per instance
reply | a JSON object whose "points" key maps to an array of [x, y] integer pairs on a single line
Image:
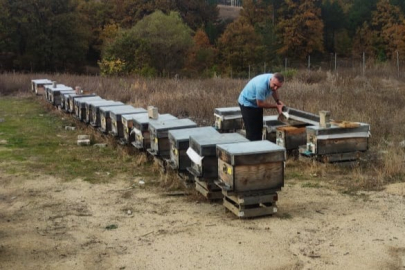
{"points": [[276, 81]]}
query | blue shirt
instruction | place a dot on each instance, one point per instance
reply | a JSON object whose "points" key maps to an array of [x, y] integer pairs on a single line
{"points": [[257, 88]]}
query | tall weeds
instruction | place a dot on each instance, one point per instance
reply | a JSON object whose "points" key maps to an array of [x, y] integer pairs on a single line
{"points": [[377, 99]]}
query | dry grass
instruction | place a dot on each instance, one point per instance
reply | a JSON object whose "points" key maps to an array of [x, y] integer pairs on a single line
{"points": [[171, 181], [376, 99]]}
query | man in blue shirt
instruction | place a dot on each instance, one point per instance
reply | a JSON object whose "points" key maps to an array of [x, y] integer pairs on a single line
{"points": [[252, 100]]}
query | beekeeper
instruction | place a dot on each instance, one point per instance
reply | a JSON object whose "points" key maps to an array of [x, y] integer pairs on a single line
{"points": [[252, 101]]}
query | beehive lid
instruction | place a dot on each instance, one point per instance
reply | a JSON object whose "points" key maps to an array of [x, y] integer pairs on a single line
{"points": [[59, 87], [255, 152], [107, 103], [206, 145], [83, 99], [160, 128], [133, 115], [355, 129], [181, 135], [293, 116], [227, 111], [68, 95], [67, 91], [128, 109], [97, 101], [41, 81], [109, 108], [142, 121], [76, 96]]}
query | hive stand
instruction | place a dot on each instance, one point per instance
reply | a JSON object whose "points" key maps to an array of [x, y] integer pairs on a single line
{"points": [[250, 174]]}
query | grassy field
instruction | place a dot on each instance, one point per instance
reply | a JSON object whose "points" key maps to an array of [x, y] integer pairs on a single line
{"points": [[33, 140], [36, 139]]}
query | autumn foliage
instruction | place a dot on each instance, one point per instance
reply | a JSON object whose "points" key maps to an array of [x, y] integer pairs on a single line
{"points": [[69, 35]]}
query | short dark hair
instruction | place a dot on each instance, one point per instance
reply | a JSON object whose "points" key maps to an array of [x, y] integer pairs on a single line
{"points": [[279, 77]]}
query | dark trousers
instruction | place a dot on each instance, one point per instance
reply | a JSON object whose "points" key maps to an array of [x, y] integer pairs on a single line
{"points": [[253, 119]]}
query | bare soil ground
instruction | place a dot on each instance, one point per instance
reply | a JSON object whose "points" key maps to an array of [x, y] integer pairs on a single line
{"points": [[46, 223]]}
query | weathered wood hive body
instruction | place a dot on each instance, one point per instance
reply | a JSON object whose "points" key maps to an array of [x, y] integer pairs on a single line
{"points": [[159, 135], [72, 104], [250, 174], [292, 136], [52, 94], [94, 111], [339, 142], [204, 161], [128, 125], [67, 101], [228, 119], [57, 97], [202, 152], [87, 106], [179, 143], [38, 85], [64, 100], [251, 166], [105, 115], [117, 128], [141, 129], [80, 108], [270, 124]]}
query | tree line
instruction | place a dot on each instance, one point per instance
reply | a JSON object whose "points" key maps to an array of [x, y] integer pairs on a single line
{"points": [[161, 37]]}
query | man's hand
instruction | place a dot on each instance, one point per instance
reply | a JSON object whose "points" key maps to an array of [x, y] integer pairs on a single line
{"points": [[280, 106]]}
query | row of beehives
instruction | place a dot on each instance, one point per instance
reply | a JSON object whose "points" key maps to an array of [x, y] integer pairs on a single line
{"points": [[219, 162], [245, 175], [306, 134]]}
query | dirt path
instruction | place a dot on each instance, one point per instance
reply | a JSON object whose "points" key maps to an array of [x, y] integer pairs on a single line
{"points": [[49, 224]]}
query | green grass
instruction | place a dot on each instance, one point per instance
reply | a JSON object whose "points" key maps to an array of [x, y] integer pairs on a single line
{"points": [[293, 174], [34, 141], [311, 185]]}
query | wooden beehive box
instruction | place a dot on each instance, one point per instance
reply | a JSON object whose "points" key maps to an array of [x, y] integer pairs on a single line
{"points": [[128, 124], [80, 108], [203, 156], [340, 138], [228, 119], [179, 143], [68, 103], [72, 104], [141, 129], [51, 90], [94, 111], [291, 137], [105, 118], [48, 90], [251, 166], [38, 86], [64, 100], [159, 135], [57, 97], [87, 106], [270, 125], [116, 114]]}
